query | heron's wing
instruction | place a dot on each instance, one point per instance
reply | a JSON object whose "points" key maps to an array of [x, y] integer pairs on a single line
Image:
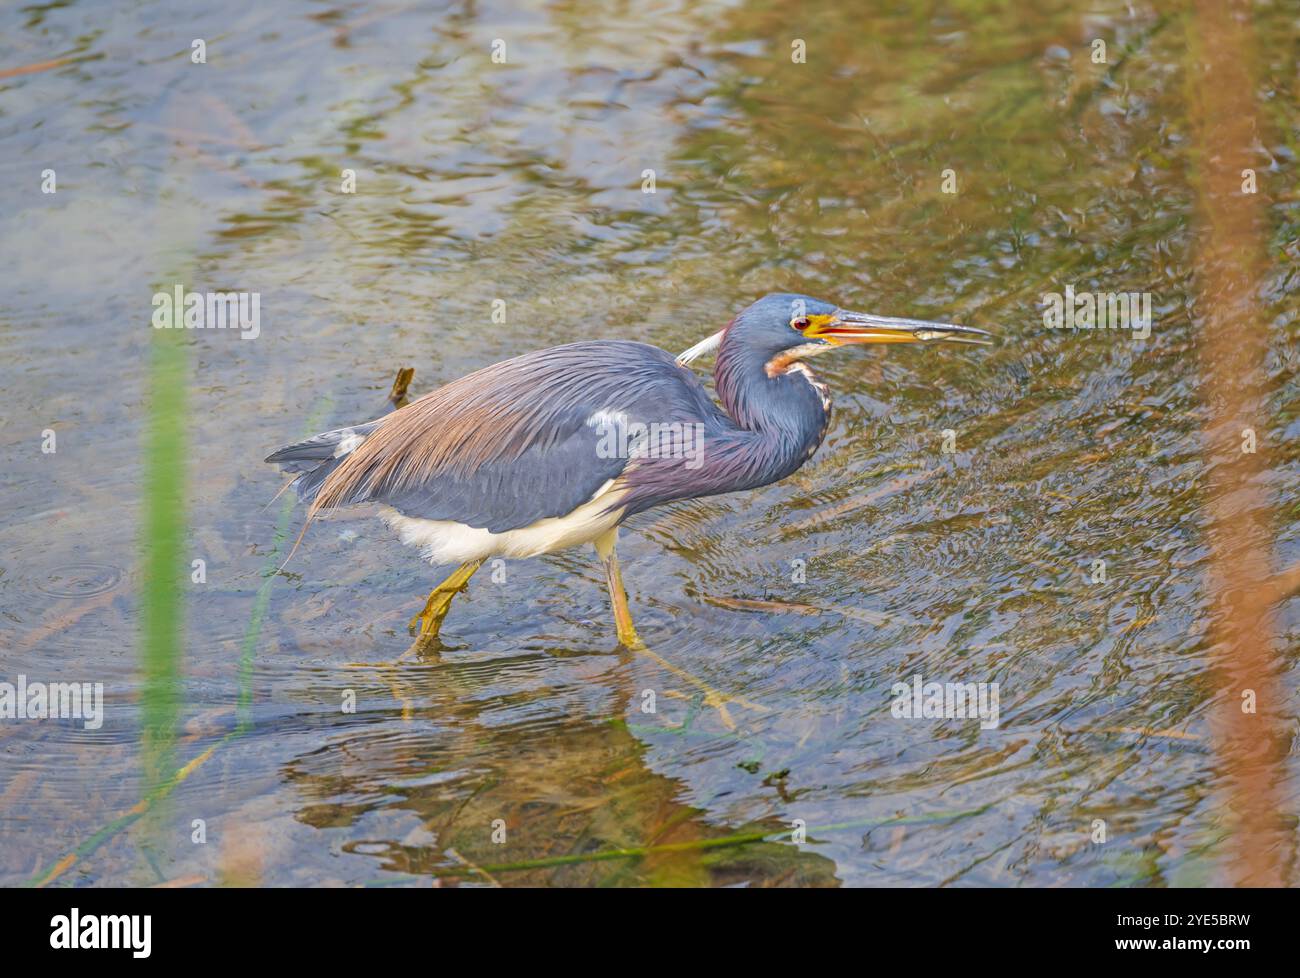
{"points": [[501, 493], [518, 441]]}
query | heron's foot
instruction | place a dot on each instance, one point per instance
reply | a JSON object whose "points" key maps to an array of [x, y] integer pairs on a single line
{"points": [[714, 698], [629, 639], [426, 625], [627, 636], [428, 622]]}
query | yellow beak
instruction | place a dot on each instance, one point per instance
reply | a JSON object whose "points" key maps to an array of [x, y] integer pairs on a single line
{"points": [[860, 327]]}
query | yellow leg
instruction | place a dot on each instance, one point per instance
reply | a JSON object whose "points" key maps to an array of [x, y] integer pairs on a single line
{"points": [[617, 593], [628, 637], [426, 624]]}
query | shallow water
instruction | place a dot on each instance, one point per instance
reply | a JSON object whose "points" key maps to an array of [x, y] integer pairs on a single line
{"points": [[884, 558]]}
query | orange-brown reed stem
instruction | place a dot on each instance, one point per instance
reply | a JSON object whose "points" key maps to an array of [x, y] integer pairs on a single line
{"points": [[1251, 745]]}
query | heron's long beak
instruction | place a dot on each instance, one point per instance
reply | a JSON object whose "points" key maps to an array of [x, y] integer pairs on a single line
{"points": [[861, 327]]}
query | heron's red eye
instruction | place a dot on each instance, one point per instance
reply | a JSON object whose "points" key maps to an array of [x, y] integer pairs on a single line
{"points": [[800, 323]]}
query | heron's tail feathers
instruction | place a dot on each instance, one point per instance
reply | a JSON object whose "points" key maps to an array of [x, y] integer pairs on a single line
{"points": [[314, 459]]}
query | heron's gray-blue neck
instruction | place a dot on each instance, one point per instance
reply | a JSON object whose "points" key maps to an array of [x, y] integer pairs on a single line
{"points": [[785, 407], [774, 425]]}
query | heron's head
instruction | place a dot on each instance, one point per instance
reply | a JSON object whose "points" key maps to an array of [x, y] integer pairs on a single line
{"points": [[794, 327]]}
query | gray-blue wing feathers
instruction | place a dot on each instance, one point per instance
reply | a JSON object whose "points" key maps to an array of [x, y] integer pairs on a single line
{"points": [[510, 444]]}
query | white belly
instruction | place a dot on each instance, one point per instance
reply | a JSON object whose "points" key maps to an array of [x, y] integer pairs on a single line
{"points": [[449, 542]]}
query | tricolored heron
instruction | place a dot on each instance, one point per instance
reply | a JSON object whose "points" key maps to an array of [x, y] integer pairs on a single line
{"points": [[557, 448]]}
